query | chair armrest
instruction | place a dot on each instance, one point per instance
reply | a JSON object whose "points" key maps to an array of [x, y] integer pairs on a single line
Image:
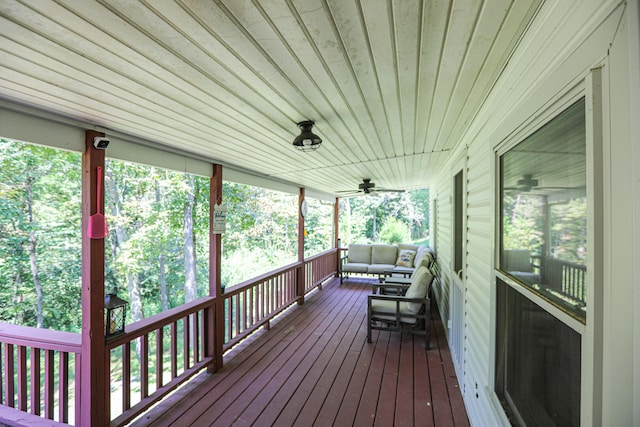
{"points": [[392, 273], [398, 280], [398, 287], [399, 298]]}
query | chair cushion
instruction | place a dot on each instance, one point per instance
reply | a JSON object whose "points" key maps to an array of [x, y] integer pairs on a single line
{"points": [[384, 254], [405, 258], [355, 267], [379, 268], [359, 254], [420, 281]]}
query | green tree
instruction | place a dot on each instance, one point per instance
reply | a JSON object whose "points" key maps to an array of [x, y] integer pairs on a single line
{"points": [[394, 231], [40, 269]]}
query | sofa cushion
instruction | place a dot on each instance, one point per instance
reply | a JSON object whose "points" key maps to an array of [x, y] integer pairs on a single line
{"points": [[405, 257], [384, 254], [422, 254], [419, 287], [403, 246], [359, 254], [355, 267], [379, 268]]}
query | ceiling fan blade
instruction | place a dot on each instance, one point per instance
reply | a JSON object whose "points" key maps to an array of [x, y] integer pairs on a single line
{"points": [[387, 190], [544, 187]]}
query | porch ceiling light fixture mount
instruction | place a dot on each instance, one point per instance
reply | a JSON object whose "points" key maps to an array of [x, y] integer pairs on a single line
{"points": [[307, 140]]}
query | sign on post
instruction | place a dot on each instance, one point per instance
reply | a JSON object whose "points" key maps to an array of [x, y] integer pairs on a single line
{"points": [[219, 219]]}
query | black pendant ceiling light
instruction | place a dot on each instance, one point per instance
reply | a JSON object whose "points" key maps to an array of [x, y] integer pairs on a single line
{"points": [[307, 140]]}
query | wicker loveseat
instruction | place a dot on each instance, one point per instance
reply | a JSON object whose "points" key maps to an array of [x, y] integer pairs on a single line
{"points": [[379, 259]]}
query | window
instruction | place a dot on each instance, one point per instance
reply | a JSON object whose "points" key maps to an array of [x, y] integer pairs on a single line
{"points": [[543, 237], [544, 211]]}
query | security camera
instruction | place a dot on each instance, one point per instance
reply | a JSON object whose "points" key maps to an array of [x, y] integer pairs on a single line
{"points": [[101, 142]]}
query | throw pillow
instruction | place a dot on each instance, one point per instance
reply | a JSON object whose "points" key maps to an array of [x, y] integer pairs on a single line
{"points": [[405, 258]]}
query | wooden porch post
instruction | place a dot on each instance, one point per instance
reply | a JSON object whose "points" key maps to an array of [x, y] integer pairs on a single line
{"points": [[215, 323], [94, 407], [336, 223], [336, 227], [300, 275]]}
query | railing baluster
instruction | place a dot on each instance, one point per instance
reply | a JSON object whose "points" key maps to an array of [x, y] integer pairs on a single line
{"points": [[159, 353], [174, 349], [9, 382], [63, 386], [186, 342], [22, 378], [144, 366], [49, 383], [35, 381], [238, 327], [78, 386], [2, 376], [126, 375], [196, 334]]}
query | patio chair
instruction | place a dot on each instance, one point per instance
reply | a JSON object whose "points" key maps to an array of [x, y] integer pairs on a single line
{"points": [[392, 282], [409, 310]]}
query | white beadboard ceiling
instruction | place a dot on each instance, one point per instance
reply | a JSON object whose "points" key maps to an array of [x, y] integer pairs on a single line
{"points": [[391, 84]]}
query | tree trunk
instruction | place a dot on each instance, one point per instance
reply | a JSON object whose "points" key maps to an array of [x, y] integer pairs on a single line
{"points": [[163, 284], [347, 205], [33, 245], [161, 265], [133, 285], [190, 285]]}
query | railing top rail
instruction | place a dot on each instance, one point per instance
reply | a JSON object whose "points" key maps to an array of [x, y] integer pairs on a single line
{"points": [[320, 255], [45, 339], [159, 320], [232, 290]]}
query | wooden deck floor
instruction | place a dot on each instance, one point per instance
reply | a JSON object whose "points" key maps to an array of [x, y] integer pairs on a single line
{"points": [[314, 367]]}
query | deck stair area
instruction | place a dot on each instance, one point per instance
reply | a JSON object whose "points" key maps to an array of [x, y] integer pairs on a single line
{"points": [[314, 367]]}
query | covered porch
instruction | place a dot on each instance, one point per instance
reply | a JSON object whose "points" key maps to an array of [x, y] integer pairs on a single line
{"points": [[314, 367], [285, 348]]}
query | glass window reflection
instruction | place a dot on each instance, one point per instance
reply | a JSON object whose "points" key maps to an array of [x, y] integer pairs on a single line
{"points": [[544, 211]]}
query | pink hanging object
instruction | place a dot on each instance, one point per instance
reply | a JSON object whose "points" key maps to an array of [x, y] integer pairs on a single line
{"points": [[97, 222]]}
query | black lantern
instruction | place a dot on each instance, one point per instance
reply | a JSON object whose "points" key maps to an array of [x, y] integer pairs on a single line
{"points": [[114, 315]]}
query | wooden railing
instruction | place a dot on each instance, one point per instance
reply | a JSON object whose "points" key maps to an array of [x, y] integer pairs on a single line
{"points": [[40, 372], [177, 341], [565, 277], [319, 268], [252, 304], [154, 356]]}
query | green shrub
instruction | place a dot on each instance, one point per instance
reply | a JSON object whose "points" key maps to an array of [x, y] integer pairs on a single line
{"points": [[394, 231]]}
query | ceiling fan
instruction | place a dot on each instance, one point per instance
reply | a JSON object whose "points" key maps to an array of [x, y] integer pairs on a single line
{"points": [[528, 183], [368, 187]]}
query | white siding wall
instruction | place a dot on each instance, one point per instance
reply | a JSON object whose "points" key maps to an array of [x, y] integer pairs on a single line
{"points": [[567, 39]]}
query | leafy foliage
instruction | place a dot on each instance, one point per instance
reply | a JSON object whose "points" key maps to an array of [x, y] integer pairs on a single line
{"points": [[147, 211], [362, 219], [40, 233], [394, 231]]}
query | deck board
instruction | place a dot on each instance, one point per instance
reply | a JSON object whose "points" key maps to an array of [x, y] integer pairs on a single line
{"points": [[314, 367]]}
